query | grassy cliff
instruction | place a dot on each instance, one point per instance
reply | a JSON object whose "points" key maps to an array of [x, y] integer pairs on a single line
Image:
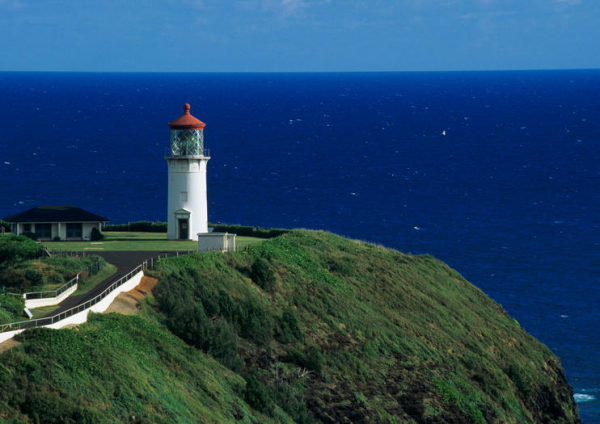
{"points": [[307, 327]]}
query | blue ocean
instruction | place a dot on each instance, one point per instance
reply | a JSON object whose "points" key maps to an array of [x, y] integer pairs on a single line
{"points": [[495, 173]]}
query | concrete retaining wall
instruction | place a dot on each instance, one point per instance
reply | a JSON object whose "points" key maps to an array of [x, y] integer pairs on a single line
{"points": [[49, 301], [81, 317]]}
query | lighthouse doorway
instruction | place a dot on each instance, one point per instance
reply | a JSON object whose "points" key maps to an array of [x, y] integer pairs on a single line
{"points": [[183, 229]]}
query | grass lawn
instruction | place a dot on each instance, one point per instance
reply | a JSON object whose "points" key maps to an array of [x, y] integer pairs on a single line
{"points": [[91, 282], [124, 241], [42, 312]]}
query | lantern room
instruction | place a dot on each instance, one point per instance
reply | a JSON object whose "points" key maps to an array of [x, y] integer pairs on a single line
{"points": [[187, 135]]}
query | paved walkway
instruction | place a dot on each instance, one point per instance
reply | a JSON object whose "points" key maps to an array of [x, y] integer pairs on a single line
{"points": [[124, 261]]}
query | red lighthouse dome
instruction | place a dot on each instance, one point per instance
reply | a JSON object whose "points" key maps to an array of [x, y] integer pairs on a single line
{"points": [[187, 121]]}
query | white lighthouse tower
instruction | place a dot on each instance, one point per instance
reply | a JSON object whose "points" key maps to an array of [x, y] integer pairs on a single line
{"points": [[187, 205]]}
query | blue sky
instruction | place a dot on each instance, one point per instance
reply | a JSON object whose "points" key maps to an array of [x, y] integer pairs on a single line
{"points": [[297, 35]]}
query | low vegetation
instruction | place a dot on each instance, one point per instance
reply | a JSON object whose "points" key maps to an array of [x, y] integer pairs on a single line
{"points": [[23, 269], [11, 307], [138, 226], [307, 327], [116, 369], [161, 227], [47, 273], [328, 328], [132, 241]]}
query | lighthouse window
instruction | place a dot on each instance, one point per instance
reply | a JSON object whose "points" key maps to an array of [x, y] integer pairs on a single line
{"points": [[183, 196]]}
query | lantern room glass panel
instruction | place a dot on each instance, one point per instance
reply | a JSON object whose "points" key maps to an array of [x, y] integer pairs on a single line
{"points": [[187, 142]]}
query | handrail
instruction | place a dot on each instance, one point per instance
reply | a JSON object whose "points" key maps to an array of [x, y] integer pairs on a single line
{"points": [[56, 292], [69, 312], [82, 307]]}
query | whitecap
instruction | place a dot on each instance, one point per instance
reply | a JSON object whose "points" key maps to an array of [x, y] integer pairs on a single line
{"points": [[581, 397], [6, 163], [564, 316]]}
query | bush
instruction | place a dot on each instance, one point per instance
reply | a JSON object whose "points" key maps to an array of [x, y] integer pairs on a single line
{"points": [[30, 235], [223, 345], [257, 324], [15, 248], [262, 275], [516, 374], [96, 235], [249, 231], [34, 276], [12, 306], [289, 328], [310, 358], [256, 396], [141, 226], [56, 238], [5, 225]]}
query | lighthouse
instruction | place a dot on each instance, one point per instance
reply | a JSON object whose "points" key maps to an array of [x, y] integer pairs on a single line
{"points": [[187, 205]]}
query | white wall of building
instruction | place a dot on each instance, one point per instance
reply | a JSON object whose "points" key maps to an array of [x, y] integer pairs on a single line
{"points": [[81, 317], [216, 242], [86, 231], [187, 190], [49, 301], [60, 229]]}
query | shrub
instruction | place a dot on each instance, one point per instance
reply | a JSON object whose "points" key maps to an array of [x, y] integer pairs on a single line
{"points": [[15, 248], [56, 238], [142, 226], [30, 235], [310, 358], [262, 275], [223, 345], [12, 305], [290, 399], [5, 225], [256, 324], [96, 235], [248, 231], [34, 276], [14, 277], [516, 374], [289, 328], [256, 396]]}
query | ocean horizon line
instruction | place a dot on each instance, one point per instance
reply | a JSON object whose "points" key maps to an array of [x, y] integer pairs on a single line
{"points": [[450, 71]]}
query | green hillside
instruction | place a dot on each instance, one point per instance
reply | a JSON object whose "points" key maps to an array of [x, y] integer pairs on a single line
{"points": [[308, 326], [116, 369]]}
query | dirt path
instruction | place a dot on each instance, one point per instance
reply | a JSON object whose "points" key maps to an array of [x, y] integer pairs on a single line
{"points": [[128, 303], [10, 343]]}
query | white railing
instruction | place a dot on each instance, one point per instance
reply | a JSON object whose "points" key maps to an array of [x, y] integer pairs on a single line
{"points": [[52, 293], [47, 321], [39, 322]]}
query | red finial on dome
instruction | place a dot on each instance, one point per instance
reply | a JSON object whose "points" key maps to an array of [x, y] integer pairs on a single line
{"points": [[187, 121]]}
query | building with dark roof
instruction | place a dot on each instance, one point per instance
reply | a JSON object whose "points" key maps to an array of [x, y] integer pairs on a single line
{"points": [[50, 222]]}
